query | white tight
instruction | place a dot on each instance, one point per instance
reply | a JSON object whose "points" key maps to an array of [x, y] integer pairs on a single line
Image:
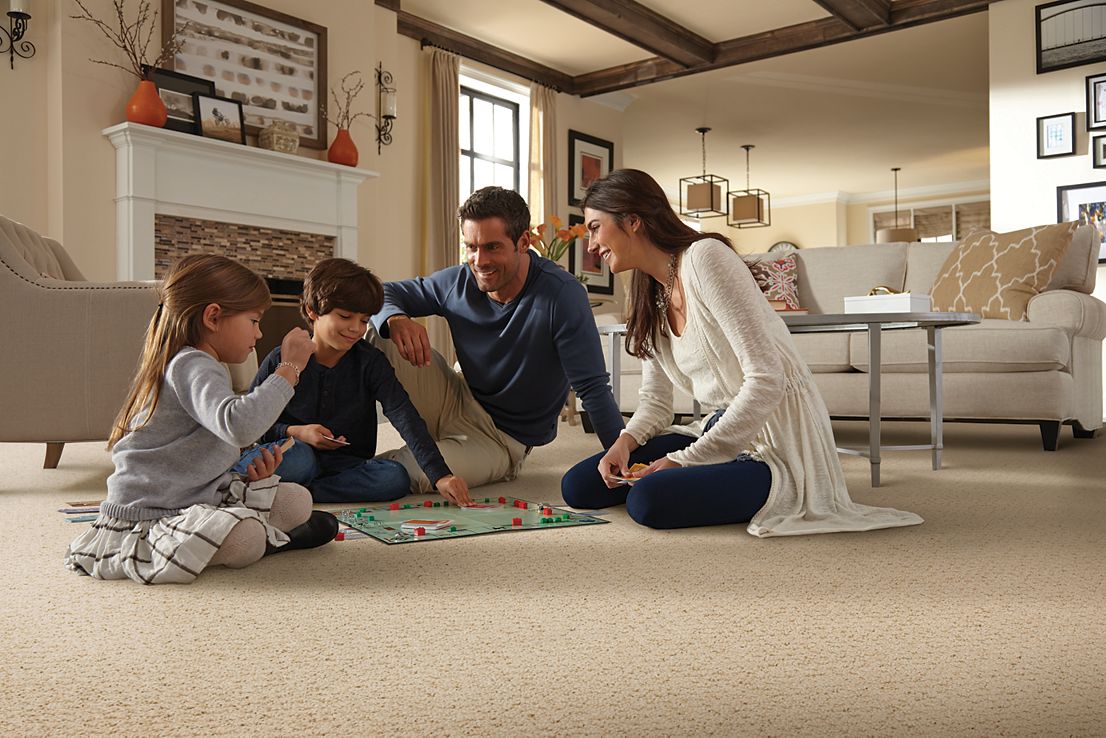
{"points": [[245, 543]]}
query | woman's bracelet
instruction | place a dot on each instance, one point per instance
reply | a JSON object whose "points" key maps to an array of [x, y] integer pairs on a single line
{"points": [[291, 366]]}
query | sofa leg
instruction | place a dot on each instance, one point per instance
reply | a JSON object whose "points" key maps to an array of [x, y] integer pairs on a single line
{"points": [[1050, 434], [53, 455], [1080, 432]]}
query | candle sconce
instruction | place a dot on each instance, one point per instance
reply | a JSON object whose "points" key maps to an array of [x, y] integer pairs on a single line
{"points": [[385, 105], [12, 36]]}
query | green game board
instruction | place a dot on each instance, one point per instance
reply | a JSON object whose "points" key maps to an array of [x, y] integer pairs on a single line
{"points": [[383, 523]]}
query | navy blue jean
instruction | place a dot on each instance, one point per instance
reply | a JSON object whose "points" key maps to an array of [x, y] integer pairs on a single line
{"points": [[336, 478], [685, 497]]}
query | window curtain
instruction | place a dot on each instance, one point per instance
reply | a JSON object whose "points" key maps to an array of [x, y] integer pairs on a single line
{"points": [[441, 180], [543, 152]]}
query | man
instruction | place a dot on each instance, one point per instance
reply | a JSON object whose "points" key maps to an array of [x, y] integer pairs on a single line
{"points": [[524, 333]]}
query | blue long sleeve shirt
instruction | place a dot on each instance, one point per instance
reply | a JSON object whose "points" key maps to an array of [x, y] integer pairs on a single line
{"points": [[343, 398], [518, 358]]}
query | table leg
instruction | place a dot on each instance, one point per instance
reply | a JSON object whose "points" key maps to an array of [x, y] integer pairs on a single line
{"points": [[936, 400], [875, 369], [616, 369]]}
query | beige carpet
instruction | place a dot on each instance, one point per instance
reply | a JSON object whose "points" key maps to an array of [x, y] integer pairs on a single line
{"points": [[989, 619]]}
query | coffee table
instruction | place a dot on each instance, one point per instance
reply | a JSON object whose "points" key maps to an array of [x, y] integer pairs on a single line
{"points": [[874, 324]]}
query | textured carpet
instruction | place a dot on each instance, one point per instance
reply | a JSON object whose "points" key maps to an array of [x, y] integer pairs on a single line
{"points": [[989, 619]]}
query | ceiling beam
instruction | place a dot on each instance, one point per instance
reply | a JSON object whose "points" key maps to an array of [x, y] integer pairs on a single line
{"points": [[859, 14], [432, 34], [781, 41], [640, 26]]}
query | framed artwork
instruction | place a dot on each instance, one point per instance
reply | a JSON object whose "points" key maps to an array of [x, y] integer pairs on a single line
{"points": [[1070, 33], [1096, 101], [175, 90], [219, 117], [594, 272], [1098, 152], [1055, 135], [272, 63], [589, 158], [1087, 204]]}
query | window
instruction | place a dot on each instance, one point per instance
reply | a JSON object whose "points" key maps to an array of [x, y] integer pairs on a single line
{"points": [[948, 221], [489, 134]]}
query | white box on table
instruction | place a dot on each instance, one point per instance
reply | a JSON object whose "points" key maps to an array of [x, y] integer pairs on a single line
{"points": [[904, 302]]}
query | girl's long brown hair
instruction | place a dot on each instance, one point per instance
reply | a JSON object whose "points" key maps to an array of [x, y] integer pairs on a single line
{"points": [[626, 192], [193, 283]]}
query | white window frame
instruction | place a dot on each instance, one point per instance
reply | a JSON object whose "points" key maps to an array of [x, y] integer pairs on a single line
{"points": [[951, 203], [489, 84]]}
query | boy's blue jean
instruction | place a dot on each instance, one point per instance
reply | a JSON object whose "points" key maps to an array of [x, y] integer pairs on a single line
{"points": [[336, 478]]}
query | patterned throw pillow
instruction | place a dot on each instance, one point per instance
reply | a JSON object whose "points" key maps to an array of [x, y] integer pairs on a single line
{"points": [[996, 274], [778, 279]]}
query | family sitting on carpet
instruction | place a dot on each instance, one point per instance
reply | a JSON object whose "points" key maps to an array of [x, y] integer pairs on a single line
{"points": [[183, 497]]}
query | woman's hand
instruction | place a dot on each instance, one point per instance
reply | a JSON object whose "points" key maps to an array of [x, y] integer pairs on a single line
{"points": [[454, 489], [317, 436], [659, 465], [265, 465], [616, 462]]}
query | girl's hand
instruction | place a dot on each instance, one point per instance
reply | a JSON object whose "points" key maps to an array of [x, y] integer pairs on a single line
{"points": [[297, 347], [265, 465], [660, 464], [617, 460], [454, 489], [317, 436]]}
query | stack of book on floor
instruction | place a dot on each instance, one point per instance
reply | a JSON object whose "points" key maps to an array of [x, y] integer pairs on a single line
{"points": [[781, 307]]}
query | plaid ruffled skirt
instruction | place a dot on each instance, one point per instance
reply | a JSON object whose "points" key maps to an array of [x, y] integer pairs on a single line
{"points": [[176, 548]]}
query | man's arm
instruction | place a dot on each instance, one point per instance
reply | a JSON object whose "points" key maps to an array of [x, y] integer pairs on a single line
{"points": [[581, 354], [414, 298]]}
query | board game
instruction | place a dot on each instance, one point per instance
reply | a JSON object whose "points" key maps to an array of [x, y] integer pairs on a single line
{"points": [[432, 521]]}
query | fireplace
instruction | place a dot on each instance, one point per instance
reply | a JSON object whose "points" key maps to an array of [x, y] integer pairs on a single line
{"points": [[283, 316]]}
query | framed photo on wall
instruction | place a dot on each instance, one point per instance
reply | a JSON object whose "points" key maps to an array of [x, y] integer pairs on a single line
{"points": [[1070, 33], [175, 90], [593, 270], [1096, 101], [272, 63], [1087, 204], [1055, 135], [219, 117], [1098, 152], [589, 158]]}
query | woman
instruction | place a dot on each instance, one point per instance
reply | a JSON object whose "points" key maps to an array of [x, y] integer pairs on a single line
{"points": [[697, 319]]}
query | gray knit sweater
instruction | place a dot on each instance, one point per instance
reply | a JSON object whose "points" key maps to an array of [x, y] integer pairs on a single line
{"points": [[183, 456]]}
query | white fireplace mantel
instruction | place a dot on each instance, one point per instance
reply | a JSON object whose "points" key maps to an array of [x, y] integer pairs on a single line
{"points": [[170, 173]]}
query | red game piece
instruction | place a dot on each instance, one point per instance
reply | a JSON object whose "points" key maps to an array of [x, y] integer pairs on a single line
{"points": [[428, 503], [393, 506], [547, 511], [502, 500], [340, 536], [516, 521], [420, 531]]}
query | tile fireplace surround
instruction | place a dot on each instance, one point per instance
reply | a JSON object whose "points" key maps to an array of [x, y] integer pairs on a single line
{"points": [[166, 173]]}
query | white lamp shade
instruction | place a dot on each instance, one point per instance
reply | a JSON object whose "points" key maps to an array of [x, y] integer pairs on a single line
{"points": [[388, 104], [896, 235]]}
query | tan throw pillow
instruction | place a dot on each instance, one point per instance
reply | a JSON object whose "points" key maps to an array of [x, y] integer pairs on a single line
{"points": [[996, 274]]}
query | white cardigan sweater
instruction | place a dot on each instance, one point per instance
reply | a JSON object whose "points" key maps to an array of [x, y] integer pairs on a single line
{"points": [[746, 362]]}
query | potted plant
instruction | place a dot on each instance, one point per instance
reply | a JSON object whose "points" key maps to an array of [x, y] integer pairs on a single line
{"points": [[343, 150], [559, 240]]}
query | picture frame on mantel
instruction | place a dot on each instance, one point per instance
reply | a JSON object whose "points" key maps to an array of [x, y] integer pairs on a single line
{"points": [[1067, 36], [1087, 204], [175, 90], [595, 271], [219, 118], [589, 159], [271, 62], [1055, 135]]}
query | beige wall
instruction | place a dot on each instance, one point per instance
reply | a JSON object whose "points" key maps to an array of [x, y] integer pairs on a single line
{"points": [[807, 226]]}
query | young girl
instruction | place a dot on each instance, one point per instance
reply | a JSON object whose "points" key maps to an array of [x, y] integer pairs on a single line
{"points": [[173, 507]]}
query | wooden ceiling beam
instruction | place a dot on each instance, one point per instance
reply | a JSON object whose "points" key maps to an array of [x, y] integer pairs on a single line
{"points": [[859, 14], [640, 26]]}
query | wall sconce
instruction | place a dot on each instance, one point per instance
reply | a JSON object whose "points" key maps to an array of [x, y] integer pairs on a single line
{"points": [[385, 106], [13, 35]]}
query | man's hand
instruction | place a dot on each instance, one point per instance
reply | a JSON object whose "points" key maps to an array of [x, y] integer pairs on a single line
{"points": [[265, 464], [454, 489], [410, 339], [316, 436]]}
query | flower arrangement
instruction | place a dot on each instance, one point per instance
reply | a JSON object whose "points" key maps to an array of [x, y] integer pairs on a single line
{"points": [[343, 115], [133, 37], [561, 238]]}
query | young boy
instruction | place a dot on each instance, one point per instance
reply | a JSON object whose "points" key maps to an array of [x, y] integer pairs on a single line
{"points": [[332, 415]]}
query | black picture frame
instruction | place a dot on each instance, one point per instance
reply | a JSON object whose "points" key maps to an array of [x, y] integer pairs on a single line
{"points": [[599, 279], [1098, 152], [1085, 202], [1048, 126], [224, 121], [1057, 48], [175, 90], [1096, 101], [589, 158]]}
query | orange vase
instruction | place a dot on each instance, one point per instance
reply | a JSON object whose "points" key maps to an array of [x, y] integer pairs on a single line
{"points": [[342, 150], [146, 107]]}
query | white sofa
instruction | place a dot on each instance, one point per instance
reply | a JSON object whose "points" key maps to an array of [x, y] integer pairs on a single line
{"points": [[1045, 371]]}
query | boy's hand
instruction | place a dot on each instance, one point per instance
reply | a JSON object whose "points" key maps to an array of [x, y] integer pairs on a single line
{"points": [[454, 489], [297, 347], [410, 339], [265, 465], [316, 436]]}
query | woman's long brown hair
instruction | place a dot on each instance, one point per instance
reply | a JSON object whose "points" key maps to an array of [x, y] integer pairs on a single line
{"points": [[626, 192], [193, 283]]}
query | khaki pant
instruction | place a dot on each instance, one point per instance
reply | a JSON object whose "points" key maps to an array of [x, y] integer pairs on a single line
{"points": [[472, 446]]}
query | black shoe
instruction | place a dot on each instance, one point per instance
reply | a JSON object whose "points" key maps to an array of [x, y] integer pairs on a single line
{"points": [[319, 529]]}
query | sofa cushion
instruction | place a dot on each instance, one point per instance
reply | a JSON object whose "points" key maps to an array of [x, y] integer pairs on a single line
{"points": [[824, 352], [993, 345], [828, 275], [777, 279], [1079, 265], [995, 274], [923, 263]]}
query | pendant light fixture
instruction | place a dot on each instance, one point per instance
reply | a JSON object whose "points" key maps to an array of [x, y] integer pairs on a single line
{"points": [[749, 208], [896, 234], [701, 195]]}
